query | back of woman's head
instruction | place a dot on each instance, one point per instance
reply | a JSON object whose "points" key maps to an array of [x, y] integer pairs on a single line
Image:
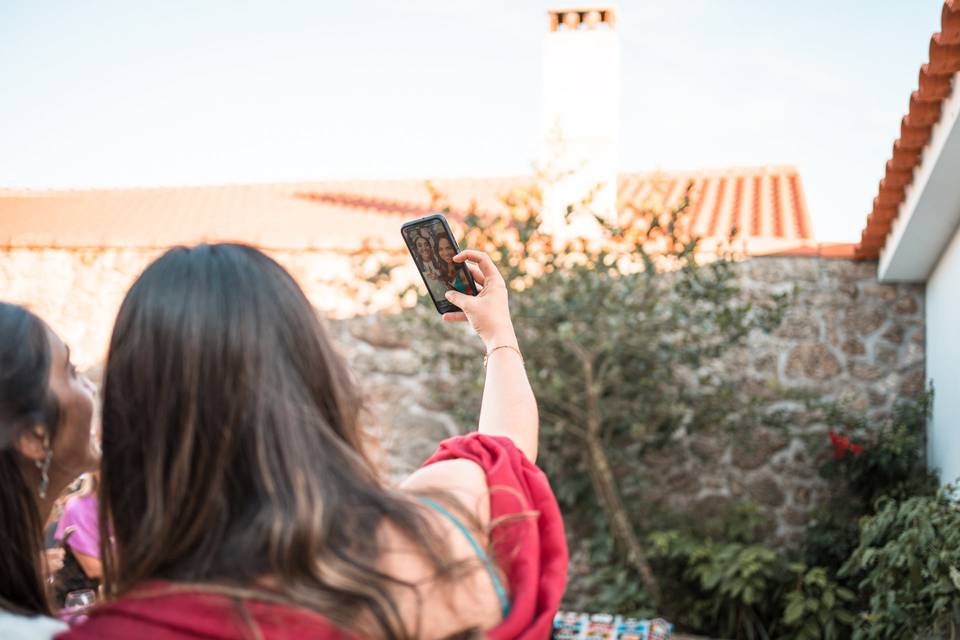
{"points": [[26, 403], [231, 446]]}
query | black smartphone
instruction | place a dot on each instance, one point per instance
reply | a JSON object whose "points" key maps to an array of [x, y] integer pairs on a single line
{"points": [[432, 246]]}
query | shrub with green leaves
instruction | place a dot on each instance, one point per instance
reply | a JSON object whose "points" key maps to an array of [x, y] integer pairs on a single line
{"points": [[867, 462], [908, 563], [817, 608], [749, 590], [891, 462], [614, 328]]}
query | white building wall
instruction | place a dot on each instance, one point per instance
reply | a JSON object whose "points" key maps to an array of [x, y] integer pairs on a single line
{"points": [[943, 361]]}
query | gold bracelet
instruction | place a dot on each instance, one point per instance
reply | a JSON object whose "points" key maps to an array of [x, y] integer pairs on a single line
{"points": [[487, 355]]}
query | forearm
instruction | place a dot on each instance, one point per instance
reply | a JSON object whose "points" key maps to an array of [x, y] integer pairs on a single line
{"points": [[90, 565], [509, 407]]}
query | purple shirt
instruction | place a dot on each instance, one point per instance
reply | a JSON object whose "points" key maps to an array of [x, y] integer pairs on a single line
{"points": [[81, 512]]}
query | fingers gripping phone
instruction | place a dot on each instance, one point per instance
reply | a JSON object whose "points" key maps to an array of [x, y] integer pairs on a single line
{"points": [[432, 246]]}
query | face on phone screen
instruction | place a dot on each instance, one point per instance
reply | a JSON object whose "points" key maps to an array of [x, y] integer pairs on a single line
{"points": [[433, 251]]}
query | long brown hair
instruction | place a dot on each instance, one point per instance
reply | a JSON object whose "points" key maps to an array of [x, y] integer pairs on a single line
{"points": [[25, 402], [232, 449]]}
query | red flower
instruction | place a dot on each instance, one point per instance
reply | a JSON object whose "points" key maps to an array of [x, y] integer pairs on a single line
{"points": [[842, 445]]}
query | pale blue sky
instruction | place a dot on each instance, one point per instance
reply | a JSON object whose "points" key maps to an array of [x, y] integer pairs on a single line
{"points": [[123, 93]]}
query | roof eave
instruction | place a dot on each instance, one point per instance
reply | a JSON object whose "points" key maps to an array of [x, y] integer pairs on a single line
{"points": [[930, 212]]}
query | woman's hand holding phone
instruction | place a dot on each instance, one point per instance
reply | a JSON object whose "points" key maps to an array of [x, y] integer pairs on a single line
{"points": [[489, 311], [509, 408]]}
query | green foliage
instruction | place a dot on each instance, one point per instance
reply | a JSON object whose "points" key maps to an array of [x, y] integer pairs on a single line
{"points": [[608, 585], [890, 465], [617, 331], [909, 560], [730, 588], [614, 326], [749, 590], [818, 608]]}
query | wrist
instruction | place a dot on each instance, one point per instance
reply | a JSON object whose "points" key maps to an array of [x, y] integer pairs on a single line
{"points": [[503, 337]]}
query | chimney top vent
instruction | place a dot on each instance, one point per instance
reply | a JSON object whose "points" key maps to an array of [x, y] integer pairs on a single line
{"points": [[581, 18]]}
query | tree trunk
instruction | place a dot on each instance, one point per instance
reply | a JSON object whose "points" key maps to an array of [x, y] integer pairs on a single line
{"points": [[604, 484]]}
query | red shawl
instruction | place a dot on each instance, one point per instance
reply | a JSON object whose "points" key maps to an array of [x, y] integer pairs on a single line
{"points": [[531, 548], [528, 540]]}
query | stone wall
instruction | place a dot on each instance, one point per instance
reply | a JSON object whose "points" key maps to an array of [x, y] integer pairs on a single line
{"points": [[78, 291], [844, 338]]}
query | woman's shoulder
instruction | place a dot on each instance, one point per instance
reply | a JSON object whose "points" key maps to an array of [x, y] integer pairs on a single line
{"points": [[79, 508], [522, 521], [17, 627], [168, 612]]}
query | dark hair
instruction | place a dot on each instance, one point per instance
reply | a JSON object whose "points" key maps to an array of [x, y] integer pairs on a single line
{"points": [[445, 268], [25, 402], [232, 446]]}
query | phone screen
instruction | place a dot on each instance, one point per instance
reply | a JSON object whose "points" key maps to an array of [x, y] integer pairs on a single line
{"points": [[433, 247]]}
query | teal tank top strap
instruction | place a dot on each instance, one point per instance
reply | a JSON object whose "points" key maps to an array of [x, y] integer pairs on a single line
{"points": [[484, 558]]}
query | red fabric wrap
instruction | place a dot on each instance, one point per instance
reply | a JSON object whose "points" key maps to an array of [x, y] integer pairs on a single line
{"points": [[158, 613], [528, 537]]}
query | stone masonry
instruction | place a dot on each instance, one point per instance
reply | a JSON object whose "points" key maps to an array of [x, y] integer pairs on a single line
{"points": [[844, 338]]}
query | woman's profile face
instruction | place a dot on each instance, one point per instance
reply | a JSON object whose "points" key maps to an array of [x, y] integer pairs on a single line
{"points": [[445, 249], [74, 449]]}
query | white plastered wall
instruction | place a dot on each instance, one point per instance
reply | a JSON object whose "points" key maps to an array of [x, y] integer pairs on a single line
{"points": [[943, 361]]}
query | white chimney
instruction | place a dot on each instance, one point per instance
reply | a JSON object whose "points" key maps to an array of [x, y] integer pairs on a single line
{"points": [[581, 114]]}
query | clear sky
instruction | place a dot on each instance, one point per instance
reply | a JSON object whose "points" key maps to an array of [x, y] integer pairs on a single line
{"points": [[124, 93]]}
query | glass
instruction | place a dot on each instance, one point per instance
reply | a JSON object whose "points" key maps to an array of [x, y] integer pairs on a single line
{"points": [[76, 603]]}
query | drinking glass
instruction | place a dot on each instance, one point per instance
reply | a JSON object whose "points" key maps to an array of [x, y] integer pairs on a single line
{"points": [[76, 603]]}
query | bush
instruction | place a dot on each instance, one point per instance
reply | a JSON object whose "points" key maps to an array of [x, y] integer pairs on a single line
{"points": [[817, 608], [615, 329], [865, 463], [889, 460], [909, 561], [748, 590]]}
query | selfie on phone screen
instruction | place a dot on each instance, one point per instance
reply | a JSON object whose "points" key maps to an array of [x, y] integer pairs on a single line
{"points": [[433, 251]]}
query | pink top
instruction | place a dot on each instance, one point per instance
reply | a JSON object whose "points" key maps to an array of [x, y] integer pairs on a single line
{"points": [[81, 512]]}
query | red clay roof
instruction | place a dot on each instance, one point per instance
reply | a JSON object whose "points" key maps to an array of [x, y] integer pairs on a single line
{"points": [[934, 86], [766, 204]]}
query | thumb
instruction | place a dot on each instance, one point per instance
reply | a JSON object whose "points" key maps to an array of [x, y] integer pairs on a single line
{"points": [[461, 300]]}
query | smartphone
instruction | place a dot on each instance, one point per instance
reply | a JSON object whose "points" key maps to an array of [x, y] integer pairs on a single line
{"points": [[432, 247]]}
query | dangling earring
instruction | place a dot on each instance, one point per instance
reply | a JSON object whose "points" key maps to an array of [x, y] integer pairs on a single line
{"points": [[44, 468]]}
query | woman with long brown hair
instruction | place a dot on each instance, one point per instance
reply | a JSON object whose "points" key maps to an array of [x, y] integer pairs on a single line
{"points": [[450, 270], [241, 503], [46, 410]]}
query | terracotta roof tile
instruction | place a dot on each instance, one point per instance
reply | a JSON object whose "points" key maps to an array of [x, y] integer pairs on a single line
{"points": [[697, 199], [922, 114], [345, 215], [944, 56], [934, 86], [718, 207], [755, 208], [950, 25], [796, 202], [833, 250]]}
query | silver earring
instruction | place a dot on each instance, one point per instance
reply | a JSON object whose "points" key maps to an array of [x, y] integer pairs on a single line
{"points": [[44, 473]]}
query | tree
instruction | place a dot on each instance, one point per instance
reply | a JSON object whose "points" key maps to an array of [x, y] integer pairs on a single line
{"points": [[616, 326]]}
